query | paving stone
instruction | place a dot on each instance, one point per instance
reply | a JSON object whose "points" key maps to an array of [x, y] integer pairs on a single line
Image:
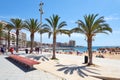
{"points": [[9, 71]]}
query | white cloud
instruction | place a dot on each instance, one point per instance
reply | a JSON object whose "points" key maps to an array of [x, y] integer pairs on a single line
{"points": [[112, 18], [9, 17], [72, 35], [2, 17]]}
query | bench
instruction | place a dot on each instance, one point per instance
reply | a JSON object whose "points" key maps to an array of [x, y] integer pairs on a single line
{"points": [[24, 60]]}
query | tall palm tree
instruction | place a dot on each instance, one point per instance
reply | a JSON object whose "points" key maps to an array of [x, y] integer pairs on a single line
{"points": [[18, 25], [32, 25], [90, 27], [55, 28], [9, 27]]}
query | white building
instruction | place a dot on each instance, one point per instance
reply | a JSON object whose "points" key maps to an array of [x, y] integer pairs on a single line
{"points": [[21, 42], [2, 39]]}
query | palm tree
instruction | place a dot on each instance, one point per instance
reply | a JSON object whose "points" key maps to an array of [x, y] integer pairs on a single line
{"points": [[18, 25], [32, 25], [90, 27], [55, 28], [9, 27]]}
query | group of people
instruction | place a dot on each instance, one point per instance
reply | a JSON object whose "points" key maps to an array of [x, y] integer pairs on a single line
{"points": [[3, 50], [36, 50], [11, 50]]}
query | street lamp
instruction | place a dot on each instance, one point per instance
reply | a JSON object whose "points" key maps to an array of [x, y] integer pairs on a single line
{"points": [[41, 12]]}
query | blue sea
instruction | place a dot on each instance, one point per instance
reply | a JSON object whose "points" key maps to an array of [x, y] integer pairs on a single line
{"points": [[82, 49], [94, 48]]}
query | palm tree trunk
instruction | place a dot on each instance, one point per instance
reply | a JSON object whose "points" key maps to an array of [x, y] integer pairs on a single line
{"points": [[54, 46], [8, 41], [32, 40], [90, 51], [17, 34]]}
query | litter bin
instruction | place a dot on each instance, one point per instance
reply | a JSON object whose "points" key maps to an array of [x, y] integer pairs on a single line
{"points": [[86, 59], [26, 51]]}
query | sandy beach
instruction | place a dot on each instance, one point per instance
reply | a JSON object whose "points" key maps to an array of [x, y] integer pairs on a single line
{"points": [[71, 67]]}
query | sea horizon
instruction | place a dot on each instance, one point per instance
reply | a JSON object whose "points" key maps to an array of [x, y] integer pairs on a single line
{"points": [[84, 48]]}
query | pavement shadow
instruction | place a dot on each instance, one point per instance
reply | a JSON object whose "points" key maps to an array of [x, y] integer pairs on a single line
{"points": [[69, 69], [38, 57], [106, 78], [20, 66]]}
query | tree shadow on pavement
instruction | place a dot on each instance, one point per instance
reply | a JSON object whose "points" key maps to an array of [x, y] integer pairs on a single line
{"points": [[37, 57], [106, 78], [69, 69]]}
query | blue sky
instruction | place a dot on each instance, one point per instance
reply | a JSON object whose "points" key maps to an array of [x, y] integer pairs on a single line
{"points": [[69, 11]]}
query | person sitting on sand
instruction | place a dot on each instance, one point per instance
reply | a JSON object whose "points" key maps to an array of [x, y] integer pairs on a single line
{"points": [[78, 52]]}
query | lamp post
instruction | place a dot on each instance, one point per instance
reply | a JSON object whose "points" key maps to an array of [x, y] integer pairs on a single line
{"points": [[41, 12]]}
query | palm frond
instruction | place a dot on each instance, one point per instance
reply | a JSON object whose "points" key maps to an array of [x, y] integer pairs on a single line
{"points": [[63, 31], [49, 35], [62, 24], [49, 22], [17, 23], [32, 25], [54, 25]]}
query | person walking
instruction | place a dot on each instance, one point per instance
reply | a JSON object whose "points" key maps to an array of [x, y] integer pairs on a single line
{"points": [[37, 50], [11, 50], [2, 50]]}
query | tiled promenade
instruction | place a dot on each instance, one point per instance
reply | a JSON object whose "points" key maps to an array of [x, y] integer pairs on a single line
{"points": [[9, 71]]}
